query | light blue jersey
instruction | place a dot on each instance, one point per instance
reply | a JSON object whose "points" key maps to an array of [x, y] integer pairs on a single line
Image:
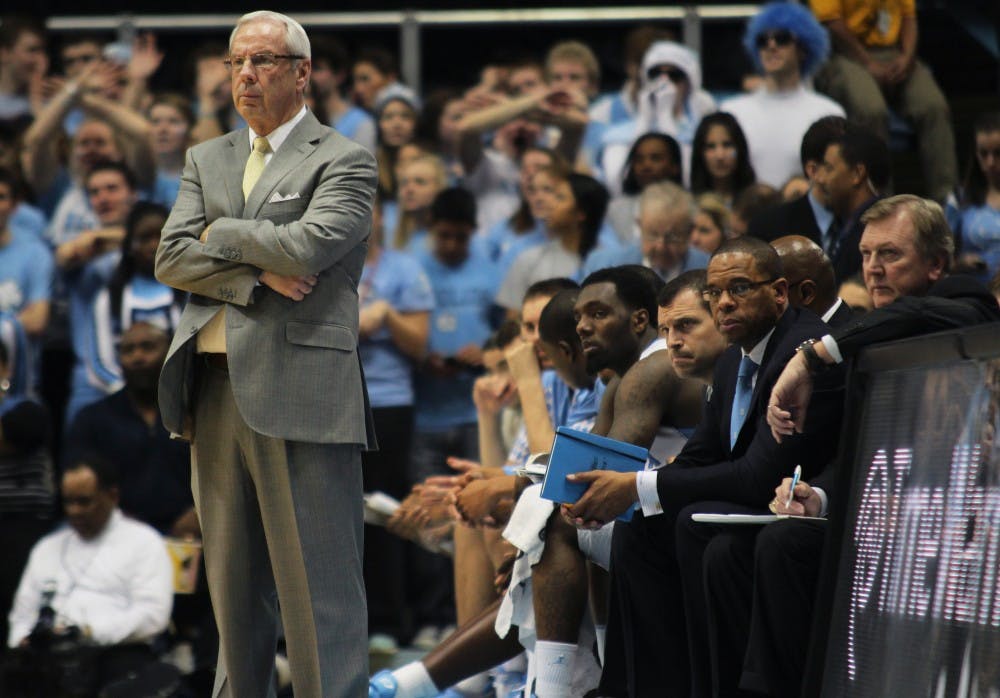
{"points": [[26, 268], [96, 330], [463, 297], [397, 278]]}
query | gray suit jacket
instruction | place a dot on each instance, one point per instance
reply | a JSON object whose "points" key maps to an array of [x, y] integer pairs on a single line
{"points": [[293, 366]]}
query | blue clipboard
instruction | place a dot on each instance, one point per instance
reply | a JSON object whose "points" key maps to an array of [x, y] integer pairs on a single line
{"points": [[576, 451]]}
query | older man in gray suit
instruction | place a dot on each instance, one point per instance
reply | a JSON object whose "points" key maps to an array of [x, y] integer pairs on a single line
{"points": [[269, 235]]}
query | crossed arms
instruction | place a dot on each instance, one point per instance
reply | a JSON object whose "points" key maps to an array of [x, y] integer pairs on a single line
{"points": [[335, 221]]}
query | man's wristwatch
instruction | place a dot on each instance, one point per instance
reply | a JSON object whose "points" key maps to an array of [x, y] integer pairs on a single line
{"points": [[814, 364]]}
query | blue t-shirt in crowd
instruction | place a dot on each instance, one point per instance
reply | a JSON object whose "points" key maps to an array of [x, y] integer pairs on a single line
{"points": [[20, 361], [165, 189], [390, 216], [29, 220], [501, 238], [398, 279], [463, 296], [419, 244], [26, 268], [96, 330], [352, 120], [979, 231]]}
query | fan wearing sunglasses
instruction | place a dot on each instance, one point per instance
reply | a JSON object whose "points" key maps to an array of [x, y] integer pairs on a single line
{"points": [[670, 101], [787, 46]]}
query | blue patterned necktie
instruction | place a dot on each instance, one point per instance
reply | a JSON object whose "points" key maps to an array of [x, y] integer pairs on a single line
{"points": [[741, 401]]}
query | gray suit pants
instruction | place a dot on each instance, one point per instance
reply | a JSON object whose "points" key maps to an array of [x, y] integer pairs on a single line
{"points": [[282, 525]]}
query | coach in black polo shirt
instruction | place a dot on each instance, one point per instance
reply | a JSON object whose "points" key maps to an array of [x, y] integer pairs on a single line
{"points": [[125, 429]]}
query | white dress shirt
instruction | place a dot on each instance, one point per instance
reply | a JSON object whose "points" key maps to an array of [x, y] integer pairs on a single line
{"points": [[117, 586], [278, 136]]}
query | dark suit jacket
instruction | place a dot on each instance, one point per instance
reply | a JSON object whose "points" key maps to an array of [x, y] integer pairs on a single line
{"points": [[708, 469], [792, 218], [951, 303], [846, 258], [840, 318]]}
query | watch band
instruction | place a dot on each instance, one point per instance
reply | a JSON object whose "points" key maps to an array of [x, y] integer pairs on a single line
{"points": [[813, 363]]}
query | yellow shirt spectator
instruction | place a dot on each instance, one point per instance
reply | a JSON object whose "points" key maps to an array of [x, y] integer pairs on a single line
{"points": [[873, 22]]}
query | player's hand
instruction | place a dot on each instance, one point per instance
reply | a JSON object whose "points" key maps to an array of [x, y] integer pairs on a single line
{"points": [[523, 362], [506, 569], [477, 502], [491, 393], [609, 494]]}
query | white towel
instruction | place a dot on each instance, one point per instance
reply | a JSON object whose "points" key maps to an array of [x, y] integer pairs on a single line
{"points": [[525, 531]]}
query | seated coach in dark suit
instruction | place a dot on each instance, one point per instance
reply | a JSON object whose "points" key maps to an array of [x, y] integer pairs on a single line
{"points": [[731, 461], [906, 251], [811, 281]]}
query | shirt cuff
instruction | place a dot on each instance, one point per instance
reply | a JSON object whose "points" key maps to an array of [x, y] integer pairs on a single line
{"points": [[824, 502], [649, 497], [831, 346]]}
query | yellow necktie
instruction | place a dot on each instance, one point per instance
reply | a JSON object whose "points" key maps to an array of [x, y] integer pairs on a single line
{"points": [[255, 164]]}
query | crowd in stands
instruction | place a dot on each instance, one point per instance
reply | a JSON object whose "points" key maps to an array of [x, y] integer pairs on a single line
{"points": [[647, 264]]}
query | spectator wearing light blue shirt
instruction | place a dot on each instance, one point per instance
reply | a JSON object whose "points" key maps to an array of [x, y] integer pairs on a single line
{"points": [[395, 300], [464, 283], [114, 292], [502, 242], [329, 73], [26, 265], [420, 181], [171, 119]]}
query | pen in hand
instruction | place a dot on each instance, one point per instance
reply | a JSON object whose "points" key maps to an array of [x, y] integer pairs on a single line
{"points": [[796, 476]]}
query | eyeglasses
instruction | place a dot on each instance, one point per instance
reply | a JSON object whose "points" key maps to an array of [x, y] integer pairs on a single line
{"points": [[781, 37], [668, 238], [674, 74], [259, 61], [738, 289]]}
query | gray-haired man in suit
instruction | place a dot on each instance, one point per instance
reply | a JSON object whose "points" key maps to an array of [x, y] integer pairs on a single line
{"points": [[269, 235]]}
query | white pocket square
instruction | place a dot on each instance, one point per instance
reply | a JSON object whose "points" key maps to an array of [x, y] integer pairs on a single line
{"points": [[277, 198]]}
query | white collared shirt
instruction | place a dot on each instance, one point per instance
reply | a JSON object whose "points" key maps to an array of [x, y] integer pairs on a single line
{"points": [[833, 309], [757, 355], [119, 584], [279, 135]]}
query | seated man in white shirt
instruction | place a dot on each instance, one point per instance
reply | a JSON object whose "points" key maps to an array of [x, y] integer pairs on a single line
{"points": [[104, 575]]}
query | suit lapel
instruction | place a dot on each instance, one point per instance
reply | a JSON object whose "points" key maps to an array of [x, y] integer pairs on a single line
{"points": [[301, 142], [239, 141]]}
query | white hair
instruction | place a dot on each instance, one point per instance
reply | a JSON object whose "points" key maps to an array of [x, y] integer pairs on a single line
{"points": [[666, 196], [296, 41]]}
